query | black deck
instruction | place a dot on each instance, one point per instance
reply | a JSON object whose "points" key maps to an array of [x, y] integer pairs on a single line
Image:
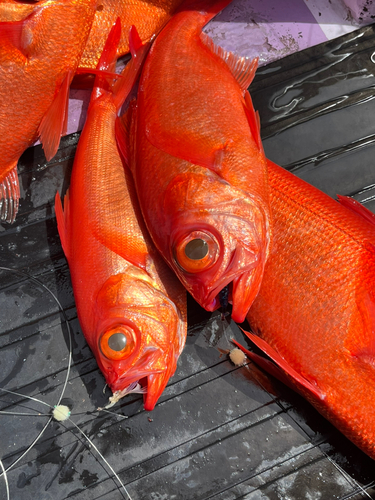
{"points": [[218, 432]]}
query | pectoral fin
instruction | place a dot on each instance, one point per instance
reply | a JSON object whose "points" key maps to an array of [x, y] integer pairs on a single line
{"points": [[54, 122], [279, 367]]}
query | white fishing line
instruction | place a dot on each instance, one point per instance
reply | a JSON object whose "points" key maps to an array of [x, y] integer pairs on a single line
{"points": [[5, 479], [102, 457], [61, 408], [347, 476]]}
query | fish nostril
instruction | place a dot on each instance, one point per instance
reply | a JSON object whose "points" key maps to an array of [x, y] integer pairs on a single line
{"points": [[196, 249]]}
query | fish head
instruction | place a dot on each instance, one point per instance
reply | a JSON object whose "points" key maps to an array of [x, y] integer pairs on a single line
{"points": [[139, 335], [219, 237]]}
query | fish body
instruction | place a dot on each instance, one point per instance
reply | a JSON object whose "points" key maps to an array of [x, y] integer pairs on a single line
{"points": [[148, 17], [131, 308], [38, 58], [315, 311], [196, 135]]}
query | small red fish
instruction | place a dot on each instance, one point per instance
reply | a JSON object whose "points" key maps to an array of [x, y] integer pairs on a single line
{"points": [[199, 166], [38, 58], [314, 315], [131, 308]]}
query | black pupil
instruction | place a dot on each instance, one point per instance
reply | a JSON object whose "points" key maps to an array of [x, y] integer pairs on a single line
{"points": [[196, 249], [117, 341]]}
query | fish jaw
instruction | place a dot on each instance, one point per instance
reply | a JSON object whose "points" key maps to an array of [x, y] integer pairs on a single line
{"points": [[157, 334]]}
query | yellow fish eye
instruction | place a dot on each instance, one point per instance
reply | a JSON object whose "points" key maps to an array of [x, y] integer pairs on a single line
{"points": [[118, 342], [196, 252]]}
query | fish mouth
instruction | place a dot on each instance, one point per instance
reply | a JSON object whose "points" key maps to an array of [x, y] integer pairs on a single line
{"points": [[151, 386], [242, 290], [151, 380]]}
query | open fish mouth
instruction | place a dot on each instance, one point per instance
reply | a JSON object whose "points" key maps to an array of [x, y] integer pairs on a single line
{"points": [[240, 292], [151, 386], [135, 387]]}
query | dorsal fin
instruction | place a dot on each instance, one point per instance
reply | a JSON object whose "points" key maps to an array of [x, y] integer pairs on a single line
{"points": [[356, 207], [242, 68]]}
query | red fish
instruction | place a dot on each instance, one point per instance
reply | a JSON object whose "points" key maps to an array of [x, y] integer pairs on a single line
{"points": [[38, 58], [131, 308], [196, 134], [314, 315]]}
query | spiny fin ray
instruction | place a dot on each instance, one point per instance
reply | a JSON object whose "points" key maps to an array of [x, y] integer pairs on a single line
{"points": [[242, 68]]}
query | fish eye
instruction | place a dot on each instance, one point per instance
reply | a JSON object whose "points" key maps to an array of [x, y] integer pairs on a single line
{"points": [[118, 342], [196, 249], [196, 252]]}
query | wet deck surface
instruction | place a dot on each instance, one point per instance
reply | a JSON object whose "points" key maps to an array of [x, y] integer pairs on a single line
{"points": [[218, 432]]}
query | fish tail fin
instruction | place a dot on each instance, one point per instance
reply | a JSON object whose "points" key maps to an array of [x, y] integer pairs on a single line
{"points": [[9, 196], [207, 8], [106, 66], [123, 86], [107, 62]]}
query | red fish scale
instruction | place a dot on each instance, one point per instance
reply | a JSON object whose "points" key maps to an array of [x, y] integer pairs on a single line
{"points": [[316, 304]]}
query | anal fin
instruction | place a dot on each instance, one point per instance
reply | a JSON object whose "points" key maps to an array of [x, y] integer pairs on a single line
{"points": [[54, 121], [9, 196]]}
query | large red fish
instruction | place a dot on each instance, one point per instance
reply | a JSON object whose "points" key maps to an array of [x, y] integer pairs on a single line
{"points": [[199, 166], [38, 58], [131, 308], [314, 315]]}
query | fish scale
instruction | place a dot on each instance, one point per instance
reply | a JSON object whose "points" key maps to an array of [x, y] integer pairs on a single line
{"points": [[315, 311]]}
